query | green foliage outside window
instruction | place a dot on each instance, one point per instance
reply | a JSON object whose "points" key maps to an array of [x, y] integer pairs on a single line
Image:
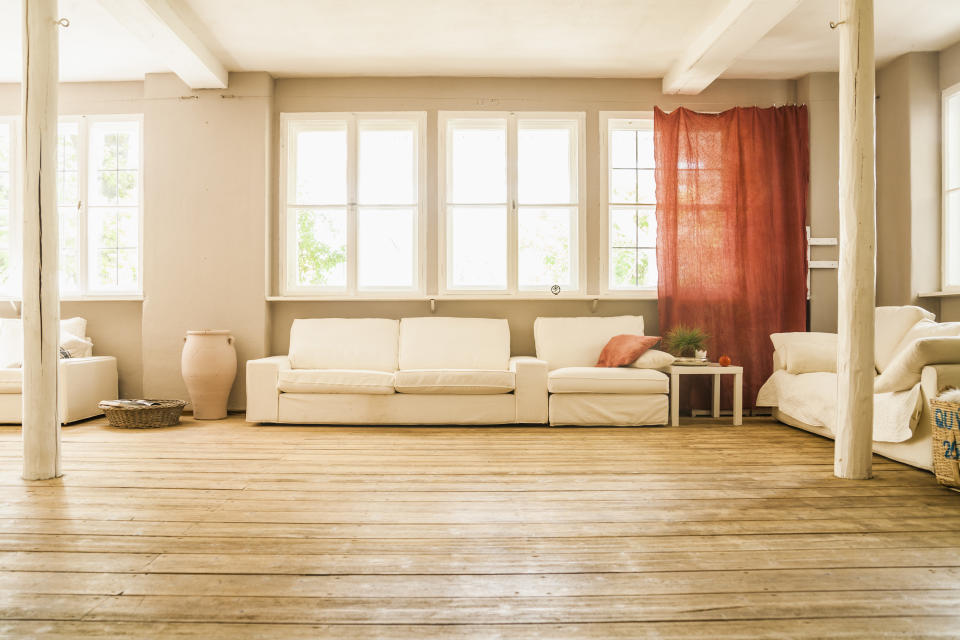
{"points": [[316, 260]]}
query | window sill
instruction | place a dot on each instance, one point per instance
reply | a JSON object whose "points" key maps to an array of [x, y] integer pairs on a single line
{"points": [[447, 297], [117, 298], [939, 294]]}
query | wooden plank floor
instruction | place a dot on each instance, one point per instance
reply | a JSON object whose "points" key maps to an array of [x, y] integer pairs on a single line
{"points": [[229, 530]]}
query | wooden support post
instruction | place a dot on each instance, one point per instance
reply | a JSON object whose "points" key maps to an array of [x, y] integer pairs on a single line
{"points": [[857, 286], [41, 295]]}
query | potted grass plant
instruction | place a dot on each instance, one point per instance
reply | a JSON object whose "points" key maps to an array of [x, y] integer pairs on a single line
{"points": [[687, 342]]}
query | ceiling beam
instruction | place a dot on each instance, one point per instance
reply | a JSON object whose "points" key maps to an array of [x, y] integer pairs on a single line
{"points": [[161, 28], [739, 26]]}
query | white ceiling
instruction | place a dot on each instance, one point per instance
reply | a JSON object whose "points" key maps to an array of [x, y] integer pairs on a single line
{"points": [[575, 38]]}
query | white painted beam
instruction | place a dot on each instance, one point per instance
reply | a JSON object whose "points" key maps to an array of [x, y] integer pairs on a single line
{"points": [[41, 289], [738, 27], [857, 276], [161, 28]]}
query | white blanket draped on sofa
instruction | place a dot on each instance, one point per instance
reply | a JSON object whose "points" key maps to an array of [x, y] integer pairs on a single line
{"points": [[804, 382]]}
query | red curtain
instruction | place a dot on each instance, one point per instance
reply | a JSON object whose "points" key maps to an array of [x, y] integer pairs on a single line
{"points": [[731, 238]]}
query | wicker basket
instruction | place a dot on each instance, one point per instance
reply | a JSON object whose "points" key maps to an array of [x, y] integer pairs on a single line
{"points": [[945, 418], [165, 414]]}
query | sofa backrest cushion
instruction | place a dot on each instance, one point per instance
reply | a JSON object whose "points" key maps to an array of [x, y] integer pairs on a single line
{"points": [[891, 325], [454, 343], [344, 343], [577, 342], [926, 329], [73, 338], [905, 370]]}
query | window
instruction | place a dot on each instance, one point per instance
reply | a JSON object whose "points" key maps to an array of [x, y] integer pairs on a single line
{"points": [[99, 195], [352, 203], [951, 189], [511, 203], [9, 254], [631, 230]]}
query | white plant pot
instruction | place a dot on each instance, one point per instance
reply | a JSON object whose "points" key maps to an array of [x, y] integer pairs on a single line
{"points": [[701, 355]]}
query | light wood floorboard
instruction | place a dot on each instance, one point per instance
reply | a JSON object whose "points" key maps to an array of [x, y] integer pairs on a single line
{"points": [[230, 530]]}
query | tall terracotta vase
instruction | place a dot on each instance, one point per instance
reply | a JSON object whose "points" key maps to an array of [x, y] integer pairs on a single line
{"points": [[209, 366]]}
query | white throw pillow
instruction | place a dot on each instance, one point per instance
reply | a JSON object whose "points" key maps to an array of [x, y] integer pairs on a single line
{"points": [[905, 370], [806, 352], [891, 325], [927, 329], [11, 340], [653, 359]]}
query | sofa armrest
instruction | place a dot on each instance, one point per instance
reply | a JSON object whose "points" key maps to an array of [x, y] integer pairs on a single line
{"points": [[531, 389], [83, 383], [935, 377], [262, 395]]}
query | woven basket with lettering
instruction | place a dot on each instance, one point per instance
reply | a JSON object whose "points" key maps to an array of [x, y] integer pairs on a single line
{"points": [[945, 417]]}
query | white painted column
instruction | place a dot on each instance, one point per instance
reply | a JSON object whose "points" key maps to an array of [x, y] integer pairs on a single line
{"points": [[857, 279], [41, 293]]}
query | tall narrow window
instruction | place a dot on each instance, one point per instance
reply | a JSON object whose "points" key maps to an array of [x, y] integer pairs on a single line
{"points": [[631, 205], [352, 203], [511, 198], [9, 256], [950, 227]]}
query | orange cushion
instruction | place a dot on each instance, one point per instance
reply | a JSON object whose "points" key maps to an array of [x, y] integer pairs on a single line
{"points": [[625, 349]]}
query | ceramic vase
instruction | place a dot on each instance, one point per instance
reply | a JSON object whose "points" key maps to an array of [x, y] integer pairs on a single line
{"points": [[209, 366]]}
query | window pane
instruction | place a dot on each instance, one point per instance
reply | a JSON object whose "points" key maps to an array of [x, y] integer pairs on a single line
{"points": [[953, 238], [633, 268], [645, 157], [385, 248], [477, 162], [321, 237], [69, 249], [953, 142], [623, 227], [320, 167], [103, 269], [114, 160], [387, 161], [5, 151], [127, 269], [623, 185], [623, 149], [478, 246], [546, 239], [68, 142], [546, 162], [647, 226], [646, 186], [4, 190]]}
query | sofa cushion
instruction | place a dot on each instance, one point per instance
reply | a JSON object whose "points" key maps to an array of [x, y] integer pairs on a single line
{"points": [[654, 359], [625, 349], [455, 343], [577, 342], [891, 324], [926, 329], [72, 337], [344, 343], [455, 381], [805, 352], [606, 380], [335, 381], [905, 370], [11, 380]]}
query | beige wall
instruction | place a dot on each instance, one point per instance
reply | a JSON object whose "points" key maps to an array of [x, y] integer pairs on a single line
{"points": [[207, 163], [820, 92], [949, 76], [908, 180]]}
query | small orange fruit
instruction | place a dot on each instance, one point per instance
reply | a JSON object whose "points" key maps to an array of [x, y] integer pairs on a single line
{"points": [[724, 361]]}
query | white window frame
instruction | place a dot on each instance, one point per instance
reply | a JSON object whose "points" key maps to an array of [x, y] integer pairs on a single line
{"points": [[16, 211], [649, 293], [578, 258], [85, 291], [287, 230], [945, 245]]}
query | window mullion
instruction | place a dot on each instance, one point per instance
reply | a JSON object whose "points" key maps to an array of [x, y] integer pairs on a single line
{"points": [[83, 161], [513, 239], [352, 167]]}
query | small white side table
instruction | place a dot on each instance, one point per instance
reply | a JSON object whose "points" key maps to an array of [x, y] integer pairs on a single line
{"points": [[710, 369]]}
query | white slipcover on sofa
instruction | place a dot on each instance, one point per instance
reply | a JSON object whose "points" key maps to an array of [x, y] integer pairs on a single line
{"points": [[915, 358], [582, 394], [411, 371], [84, 379]]}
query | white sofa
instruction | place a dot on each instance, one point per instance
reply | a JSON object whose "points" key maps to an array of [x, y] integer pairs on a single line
{"points": [[915, 357], [582, 394], [84, 379], [412, 371]]}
